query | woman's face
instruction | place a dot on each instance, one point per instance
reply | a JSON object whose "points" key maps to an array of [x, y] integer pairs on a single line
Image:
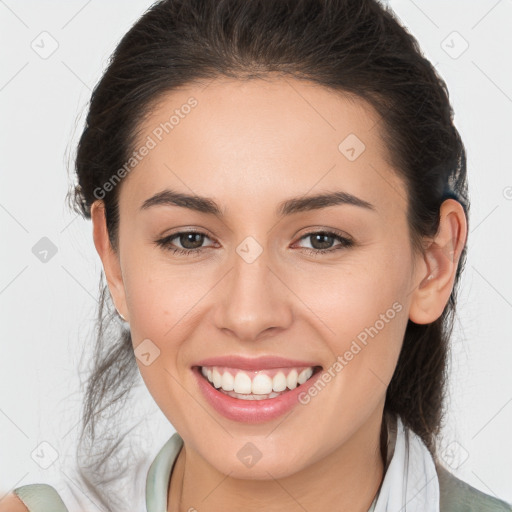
{"points": [[260, 285]]}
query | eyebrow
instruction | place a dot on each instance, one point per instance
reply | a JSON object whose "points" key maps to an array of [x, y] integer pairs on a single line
{"points": [[207, 205]]}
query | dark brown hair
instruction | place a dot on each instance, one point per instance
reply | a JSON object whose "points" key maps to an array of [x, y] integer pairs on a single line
{"points": [[351, 46]]}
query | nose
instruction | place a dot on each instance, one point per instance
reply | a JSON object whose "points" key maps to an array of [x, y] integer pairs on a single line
{"points": [[254, 300]]}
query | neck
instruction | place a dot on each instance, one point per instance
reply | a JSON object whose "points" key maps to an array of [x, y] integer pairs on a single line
{"points": [[347, 479]]}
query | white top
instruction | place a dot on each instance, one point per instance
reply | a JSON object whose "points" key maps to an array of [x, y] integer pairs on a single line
{"points": [[410, 478], [410, 474]]}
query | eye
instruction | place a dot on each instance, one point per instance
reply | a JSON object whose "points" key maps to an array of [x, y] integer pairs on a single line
{"points": [[323, 241], [191, 242]]}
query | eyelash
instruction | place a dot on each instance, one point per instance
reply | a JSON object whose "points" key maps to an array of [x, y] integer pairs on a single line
{"points": [[166, 243]]}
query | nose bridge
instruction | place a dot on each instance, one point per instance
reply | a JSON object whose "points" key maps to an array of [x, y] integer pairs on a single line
{"points": [[253, 299]]}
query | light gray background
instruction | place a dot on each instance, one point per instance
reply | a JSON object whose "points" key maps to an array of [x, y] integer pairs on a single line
{"points": [[48, 309]]}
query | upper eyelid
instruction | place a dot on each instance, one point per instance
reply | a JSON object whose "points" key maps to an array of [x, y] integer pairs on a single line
{"points": [[172, 236], [343, 239]]}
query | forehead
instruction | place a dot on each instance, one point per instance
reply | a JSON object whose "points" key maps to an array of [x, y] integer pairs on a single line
{"points": [[264, 140]]}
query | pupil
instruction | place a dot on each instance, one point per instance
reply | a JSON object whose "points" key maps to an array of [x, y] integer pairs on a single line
{"points": [[326, 244], [189, 237]]}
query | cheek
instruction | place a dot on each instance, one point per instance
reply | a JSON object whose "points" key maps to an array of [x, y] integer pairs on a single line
{"points": [[160, 301], [158, 295], [355, 293], [361, 308]]}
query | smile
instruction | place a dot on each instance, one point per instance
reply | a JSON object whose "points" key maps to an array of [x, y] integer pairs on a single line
{"points": [[260, 406], [257, 385]]}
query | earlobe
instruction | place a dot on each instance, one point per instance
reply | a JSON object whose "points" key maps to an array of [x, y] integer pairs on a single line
{"points": [[441, 259], [109, 258]]}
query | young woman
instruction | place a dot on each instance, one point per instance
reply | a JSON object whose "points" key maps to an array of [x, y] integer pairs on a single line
{"points": [[279, 200]]}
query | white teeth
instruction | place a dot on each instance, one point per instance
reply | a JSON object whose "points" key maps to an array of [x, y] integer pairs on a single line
{"points": [[249, 397], [228, 382], [304, 375], [291, 380], [279, 382], [217, 378], [242, 383], [260, 384]]}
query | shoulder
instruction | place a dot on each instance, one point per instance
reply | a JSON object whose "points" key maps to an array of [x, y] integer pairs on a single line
{"points": [[456, 495], [11, 503], [33, 498]]}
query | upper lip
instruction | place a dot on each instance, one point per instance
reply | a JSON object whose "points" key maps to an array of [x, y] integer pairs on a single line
{"points": [[254, 363]]}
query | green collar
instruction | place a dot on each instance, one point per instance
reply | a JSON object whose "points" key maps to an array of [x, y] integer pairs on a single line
{"points": [[159, 474]]}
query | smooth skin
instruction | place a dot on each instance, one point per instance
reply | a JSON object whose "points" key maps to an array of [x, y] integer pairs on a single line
{"points": [[249, 145], [11, 503]]}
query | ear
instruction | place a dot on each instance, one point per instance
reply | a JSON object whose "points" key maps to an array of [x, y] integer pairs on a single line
{"points": [[436, 274], [109, 258]]}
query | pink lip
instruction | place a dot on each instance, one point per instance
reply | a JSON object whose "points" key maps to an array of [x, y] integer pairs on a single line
{"points": [[251, 411], [254, 363]]}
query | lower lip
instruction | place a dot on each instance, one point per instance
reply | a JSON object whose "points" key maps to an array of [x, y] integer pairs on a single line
{"points": [[251, 411]]}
